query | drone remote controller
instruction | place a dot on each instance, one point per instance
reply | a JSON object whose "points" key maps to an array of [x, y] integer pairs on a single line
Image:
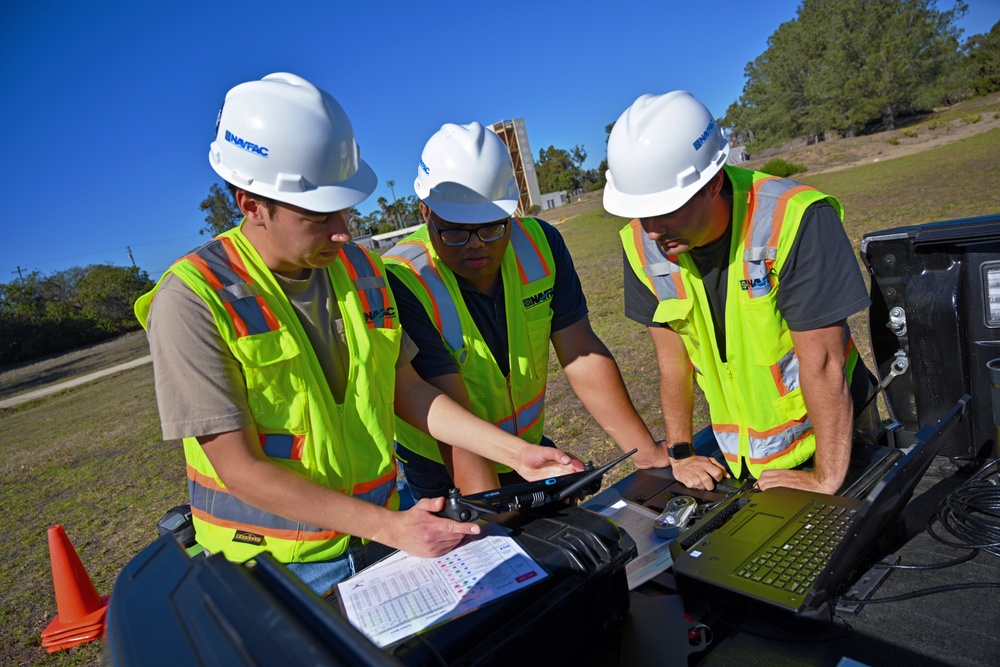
{"points": [[527, 495], [674, 517]]}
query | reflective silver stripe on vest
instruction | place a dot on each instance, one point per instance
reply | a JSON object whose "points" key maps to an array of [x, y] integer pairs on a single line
{"points": [[227, 507], [451, 326], [788, 368], [529, 258], [729, 442], [525, 418], [779, 443], [661, 273], [368, 282], [762, 447], [760, 256], [235, 291]]}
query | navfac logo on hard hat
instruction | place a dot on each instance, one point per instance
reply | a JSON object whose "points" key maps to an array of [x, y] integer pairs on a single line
{"points": [[700, 141], [424, 167], [246, 145]]}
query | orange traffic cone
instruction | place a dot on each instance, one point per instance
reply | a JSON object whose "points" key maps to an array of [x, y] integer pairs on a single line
{"points": [[81, 608]]}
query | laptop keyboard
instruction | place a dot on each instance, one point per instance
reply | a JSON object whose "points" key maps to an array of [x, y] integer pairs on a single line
{"points": [[794, 563]]}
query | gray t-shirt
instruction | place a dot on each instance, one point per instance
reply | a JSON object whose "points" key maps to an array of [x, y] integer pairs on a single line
{"points": [[200, 387]]}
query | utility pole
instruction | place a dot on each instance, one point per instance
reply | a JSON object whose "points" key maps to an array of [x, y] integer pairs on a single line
{"points": [[391, 185], [18, 272], [129, 248]]}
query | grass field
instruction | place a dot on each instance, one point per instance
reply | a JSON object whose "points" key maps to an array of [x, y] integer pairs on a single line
{"points": [[92, 459]]}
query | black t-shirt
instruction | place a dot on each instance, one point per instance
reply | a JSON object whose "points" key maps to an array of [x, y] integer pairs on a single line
{"points": [[569, 306], [819, 284]]}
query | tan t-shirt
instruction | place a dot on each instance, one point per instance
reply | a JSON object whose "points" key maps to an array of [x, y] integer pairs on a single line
{"points": [[200, 387]]}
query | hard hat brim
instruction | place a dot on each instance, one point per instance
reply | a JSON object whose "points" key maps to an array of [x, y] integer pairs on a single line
{"points": [[323, 199], [627, 205], [472, 214]]}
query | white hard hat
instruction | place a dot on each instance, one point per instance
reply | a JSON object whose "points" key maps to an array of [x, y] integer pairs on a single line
{"points": [[284, 138], [465, 175], [661, 151]]}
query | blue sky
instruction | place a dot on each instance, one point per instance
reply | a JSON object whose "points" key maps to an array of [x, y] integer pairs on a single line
{"points": [[108, 108]]}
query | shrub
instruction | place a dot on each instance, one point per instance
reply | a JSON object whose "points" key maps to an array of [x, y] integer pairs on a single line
{"points": [[893, 141], [778, 167], [970, 118], [935, 124], [911, 132]]}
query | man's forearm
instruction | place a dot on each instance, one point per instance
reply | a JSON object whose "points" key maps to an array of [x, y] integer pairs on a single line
{"points": [[828, 401], [676, 385], [598, 383], [469, 472]]}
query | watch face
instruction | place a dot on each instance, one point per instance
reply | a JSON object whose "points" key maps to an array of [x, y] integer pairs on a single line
{"points": [[680, 450]]}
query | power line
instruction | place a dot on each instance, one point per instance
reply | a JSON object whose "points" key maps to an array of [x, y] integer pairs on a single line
{"points": [[99, 252]]}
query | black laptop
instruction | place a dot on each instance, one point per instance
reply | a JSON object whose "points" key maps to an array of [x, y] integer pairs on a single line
{"points": [[795, 549]]}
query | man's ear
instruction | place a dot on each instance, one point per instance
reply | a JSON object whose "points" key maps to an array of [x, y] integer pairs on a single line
{"points": [[252, 209], [425, 212], [714, 186]]}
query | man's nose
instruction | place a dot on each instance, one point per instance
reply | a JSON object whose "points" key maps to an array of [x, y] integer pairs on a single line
{"points": [[339, 225], [652, 229], [474, 240]]}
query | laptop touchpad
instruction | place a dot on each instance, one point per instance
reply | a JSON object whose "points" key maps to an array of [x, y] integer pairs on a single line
{"points": [[757, 526]]}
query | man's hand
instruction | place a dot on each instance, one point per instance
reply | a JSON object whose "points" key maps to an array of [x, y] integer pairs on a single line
{"points": [[419, 532], [656, 457], [699, 472], [796, 479], [536, 462]]}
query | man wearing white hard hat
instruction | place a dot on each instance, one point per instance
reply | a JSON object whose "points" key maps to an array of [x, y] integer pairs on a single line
{"points": [[745, 282], [483, 293], [278, 356]]}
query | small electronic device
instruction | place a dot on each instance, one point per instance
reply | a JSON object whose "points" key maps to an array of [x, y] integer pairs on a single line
{"points": [[177, 522], [527, 495], [675, 517]]}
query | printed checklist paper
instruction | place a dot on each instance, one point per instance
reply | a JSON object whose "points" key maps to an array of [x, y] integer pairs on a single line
{"points": [[403, 594]]}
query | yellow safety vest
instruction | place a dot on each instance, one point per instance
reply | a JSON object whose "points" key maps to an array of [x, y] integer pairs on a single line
{"points": [[515, 403], [347, 447], [754, 397]]}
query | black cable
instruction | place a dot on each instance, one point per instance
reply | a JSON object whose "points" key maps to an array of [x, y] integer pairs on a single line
{"points": [[933, 566], [922, 592], [971, 513]]}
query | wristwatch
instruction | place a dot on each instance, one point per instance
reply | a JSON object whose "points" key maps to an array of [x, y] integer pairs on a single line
{"points": [[680, 450]]}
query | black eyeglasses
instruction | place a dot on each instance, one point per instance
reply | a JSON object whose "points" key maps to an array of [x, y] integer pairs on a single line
{"points": [[458, 237]]}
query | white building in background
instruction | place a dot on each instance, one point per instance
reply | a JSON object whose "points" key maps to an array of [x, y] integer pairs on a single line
{"points": [[515, 136], [553, 199], [389, 239]]}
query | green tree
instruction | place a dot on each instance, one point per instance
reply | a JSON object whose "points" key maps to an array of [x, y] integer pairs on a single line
{"points": [[106, 294], [848, 66], [556, 170], [23, 299], [982, 63], [222, 211]]}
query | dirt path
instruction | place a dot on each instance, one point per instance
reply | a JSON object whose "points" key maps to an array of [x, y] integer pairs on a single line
{"points": [[34, 375]]}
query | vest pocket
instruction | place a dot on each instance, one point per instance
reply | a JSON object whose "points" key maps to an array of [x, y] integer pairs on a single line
{"points": [[772, 340], [675, 313], [275, 393], [539, 337], [385, 351]]}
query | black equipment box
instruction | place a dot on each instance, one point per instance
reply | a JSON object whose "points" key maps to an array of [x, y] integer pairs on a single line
{"points": [[169, 609], [585, 596]]}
